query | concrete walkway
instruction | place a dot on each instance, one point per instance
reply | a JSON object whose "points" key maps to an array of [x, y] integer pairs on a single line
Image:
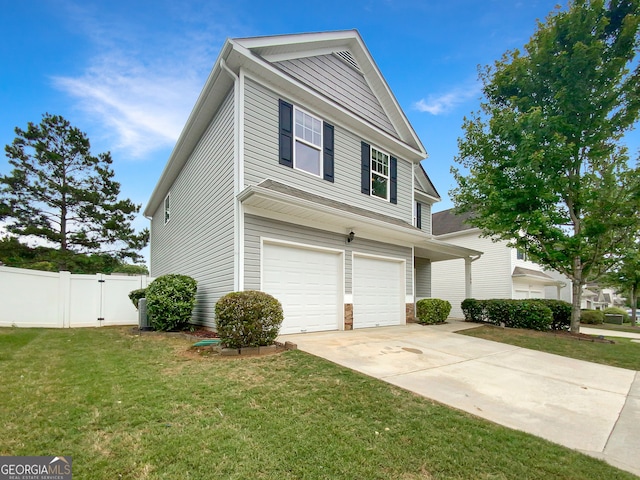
{"points": [[585, 406]]}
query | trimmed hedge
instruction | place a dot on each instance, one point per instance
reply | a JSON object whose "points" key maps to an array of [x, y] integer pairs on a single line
{"points": [[561, 311], [430, 311], [170, 301], [592, 317], [248, 319], [534, 314], [136, 295]]}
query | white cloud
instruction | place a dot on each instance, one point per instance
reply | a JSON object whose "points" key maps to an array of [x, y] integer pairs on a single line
{"points": [[447, 102], [143, 80], [140, 108]]}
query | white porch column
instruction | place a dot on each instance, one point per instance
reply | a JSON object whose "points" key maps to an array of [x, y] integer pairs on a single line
{"points": [[468, 291]]}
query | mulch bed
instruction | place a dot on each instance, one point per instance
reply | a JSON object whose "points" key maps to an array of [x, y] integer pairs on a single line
{"points": [[583, 337]]}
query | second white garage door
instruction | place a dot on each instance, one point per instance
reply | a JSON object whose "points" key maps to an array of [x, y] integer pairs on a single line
{"points": [[378, 292], [308, 283]]}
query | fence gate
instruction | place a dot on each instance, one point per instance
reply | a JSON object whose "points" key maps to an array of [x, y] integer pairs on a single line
{"points": [[31, 298]]}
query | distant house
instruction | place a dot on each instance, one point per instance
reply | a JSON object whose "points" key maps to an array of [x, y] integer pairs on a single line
{"points": [[501, 272], [298, 174]]}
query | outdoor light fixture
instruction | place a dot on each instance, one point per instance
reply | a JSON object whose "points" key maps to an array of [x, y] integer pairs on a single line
{"points": [[350, 236]]}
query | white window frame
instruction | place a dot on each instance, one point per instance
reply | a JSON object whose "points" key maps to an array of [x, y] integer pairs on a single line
{"points": [[372, 171], [167, 208], [319, 148]]}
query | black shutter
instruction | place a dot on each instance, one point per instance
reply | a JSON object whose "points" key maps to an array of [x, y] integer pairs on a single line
{"points": [[419, 215], [327, 151], [366, 168], [286, 134], [394, 180]]}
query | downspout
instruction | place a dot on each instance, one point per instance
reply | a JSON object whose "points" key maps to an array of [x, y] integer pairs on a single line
{"points": [[237, 217], [468, 291]]}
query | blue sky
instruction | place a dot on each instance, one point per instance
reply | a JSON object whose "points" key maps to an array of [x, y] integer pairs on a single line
{"points": [[128, 72]]}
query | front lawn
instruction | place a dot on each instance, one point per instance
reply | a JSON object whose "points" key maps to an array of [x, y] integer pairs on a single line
{"points": [[623, 353], [142, 407]]}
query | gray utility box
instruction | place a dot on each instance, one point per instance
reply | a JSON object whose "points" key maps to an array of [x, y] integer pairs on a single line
{"points": [[613, 318], [143, 319]]}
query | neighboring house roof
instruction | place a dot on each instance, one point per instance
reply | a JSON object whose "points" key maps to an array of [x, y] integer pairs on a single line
{"points": [[424, 185], [535, 275], [446, 222], [259, 57], [588, 294]]}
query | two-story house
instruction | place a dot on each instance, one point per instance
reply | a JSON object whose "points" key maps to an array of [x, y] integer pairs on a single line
{"points": [[298, 174], [501, 272]]}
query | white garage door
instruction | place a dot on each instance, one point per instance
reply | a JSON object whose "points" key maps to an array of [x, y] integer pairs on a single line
{"points": [[308, 283], [378, 292]]}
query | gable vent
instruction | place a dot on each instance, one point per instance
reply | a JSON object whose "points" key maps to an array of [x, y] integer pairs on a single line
{"points": [[348, 58]]}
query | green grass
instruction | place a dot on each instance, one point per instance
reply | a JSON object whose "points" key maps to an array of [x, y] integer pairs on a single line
{"points": [[623, 353], [128, 407]]}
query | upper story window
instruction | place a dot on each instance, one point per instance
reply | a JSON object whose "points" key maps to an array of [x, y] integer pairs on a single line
{"points": [[521, 255], [166, 208], [379, 174], [308, 143], [305, 142]]}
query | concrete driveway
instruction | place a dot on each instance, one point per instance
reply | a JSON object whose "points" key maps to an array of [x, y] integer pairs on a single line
{"points": [[585, 406]]}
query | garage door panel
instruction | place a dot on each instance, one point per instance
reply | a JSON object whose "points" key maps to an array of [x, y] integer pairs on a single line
{"points": [[308, 283], [378, 292]]}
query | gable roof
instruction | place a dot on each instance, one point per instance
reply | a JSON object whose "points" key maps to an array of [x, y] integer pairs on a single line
{"points": [[257, 57], [447, 222], [349, 46], [423, 184]]}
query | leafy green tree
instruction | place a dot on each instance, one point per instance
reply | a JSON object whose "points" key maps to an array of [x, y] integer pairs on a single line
{"points": [[547, 170], [60, 193], [626, 277]]}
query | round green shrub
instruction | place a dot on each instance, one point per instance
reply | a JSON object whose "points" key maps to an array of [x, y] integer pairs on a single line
{"points": [[248, 319], [136, 295], [170, 301], [561, 311], [618, 311], [592, 317], [430, 311]]}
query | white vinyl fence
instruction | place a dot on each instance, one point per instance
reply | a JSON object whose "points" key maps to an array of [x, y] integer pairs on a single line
{"points": [[31, 298]]}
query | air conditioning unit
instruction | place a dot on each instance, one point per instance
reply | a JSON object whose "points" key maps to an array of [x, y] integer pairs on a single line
{"points": [[143, 319]]}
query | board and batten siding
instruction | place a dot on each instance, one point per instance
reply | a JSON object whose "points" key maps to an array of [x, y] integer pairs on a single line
{"points": [[198, 239], [332, 77], [261, 159], [490, 274], [259, 227], [423, 278]]}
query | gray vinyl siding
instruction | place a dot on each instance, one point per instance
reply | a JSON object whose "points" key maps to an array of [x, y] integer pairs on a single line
{"points": [[258, 227], [330, 76], [425, 224], [423, 278], [261, 159], [198, 239]]}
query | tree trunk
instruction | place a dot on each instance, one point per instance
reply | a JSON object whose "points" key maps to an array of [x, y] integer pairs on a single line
{"points": [[575, 308]]}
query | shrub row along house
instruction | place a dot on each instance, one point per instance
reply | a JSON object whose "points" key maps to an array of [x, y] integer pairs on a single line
{"points": [[298, 174]]}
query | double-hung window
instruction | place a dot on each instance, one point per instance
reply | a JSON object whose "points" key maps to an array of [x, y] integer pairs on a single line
{"points": [[308, 143], [379, 174], [166, 208]]}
